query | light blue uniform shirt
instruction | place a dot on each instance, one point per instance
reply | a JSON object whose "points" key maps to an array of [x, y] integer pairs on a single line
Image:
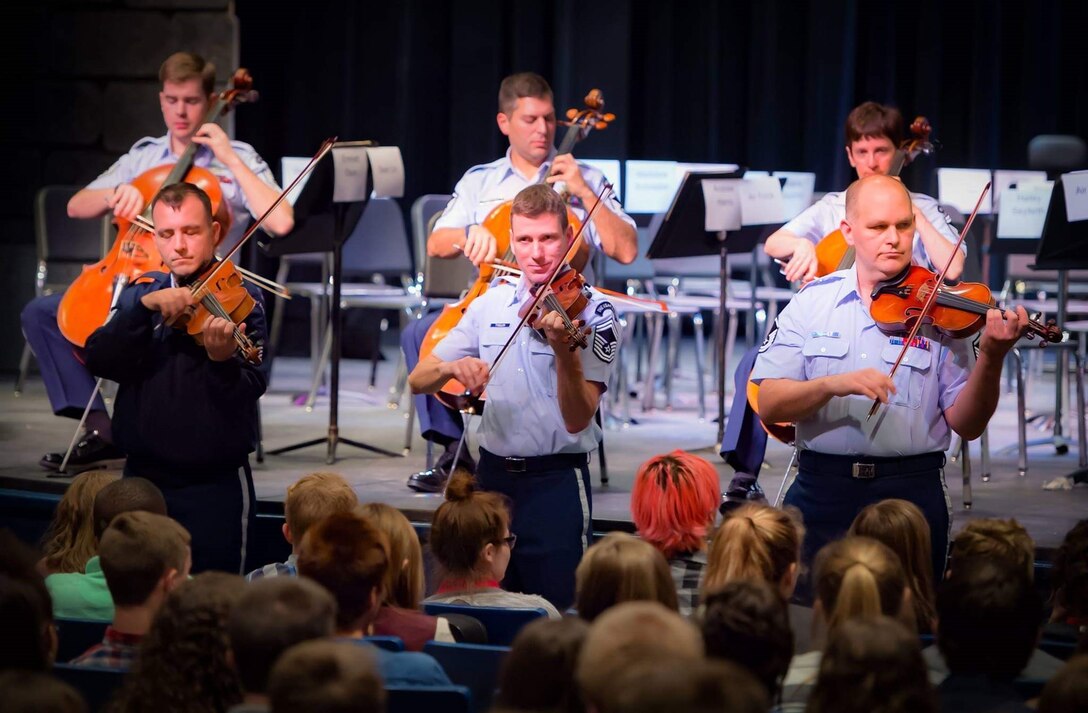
{"points": [[826, 214], [825, 330], [522, 416], [485, 187], [150, 152]]}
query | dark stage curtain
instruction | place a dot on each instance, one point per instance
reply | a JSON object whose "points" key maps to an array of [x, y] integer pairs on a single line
{"points": [[766, 84]]}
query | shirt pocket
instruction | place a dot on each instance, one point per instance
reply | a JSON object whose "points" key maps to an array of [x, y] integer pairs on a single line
{"points": [[824, 355], [542, 375], [910, 377], [492, 340]]}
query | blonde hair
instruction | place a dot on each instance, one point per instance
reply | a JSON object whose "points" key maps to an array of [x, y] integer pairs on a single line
{"points": [[314, 497], [991, 537], [901, 526], [404, 578], [70, 540], [622, 568], [860, 578], [183, 66], [754, 542]]}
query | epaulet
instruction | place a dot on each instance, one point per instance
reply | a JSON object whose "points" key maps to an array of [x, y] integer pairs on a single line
{"points": [[149, 278], [825, 280], [242, 145], [148, 141], [485, 166]]}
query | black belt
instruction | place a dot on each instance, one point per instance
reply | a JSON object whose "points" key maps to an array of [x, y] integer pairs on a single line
{"points": [[533, 464], [867, 467]]}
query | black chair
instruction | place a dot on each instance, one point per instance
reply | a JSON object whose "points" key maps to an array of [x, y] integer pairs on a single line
{"points": [[433, 699], [76, 636], [502, 623], [1057, 153], [471, 665], [97, 685]]}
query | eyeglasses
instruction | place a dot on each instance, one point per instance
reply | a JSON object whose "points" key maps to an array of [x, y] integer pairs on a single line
{"points": [[510, 540]]}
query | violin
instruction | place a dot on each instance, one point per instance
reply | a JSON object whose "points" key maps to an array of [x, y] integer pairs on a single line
{"points": [[959, 311], [832, 252], [88, 300], [579, 124]]}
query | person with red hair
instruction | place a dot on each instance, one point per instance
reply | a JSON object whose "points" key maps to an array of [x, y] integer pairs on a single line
{"points": [[673, 502]]}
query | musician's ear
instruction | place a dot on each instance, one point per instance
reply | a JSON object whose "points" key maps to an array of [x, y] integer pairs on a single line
{"points": [[850, 156], [504, 123], [847, 232], [217, 233], [570, 234]]}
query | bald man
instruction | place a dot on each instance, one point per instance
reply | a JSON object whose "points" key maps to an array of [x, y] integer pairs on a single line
{"points": [[824, 362]]}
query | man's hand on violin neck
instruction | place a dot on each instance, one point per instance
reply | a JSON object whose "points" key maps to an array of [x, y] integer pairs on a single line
{"points": [[1003, 329], [171, 302], [870, 383], [126, 201], [555, 330], [219, 337], [473, 373], [480, 245]]}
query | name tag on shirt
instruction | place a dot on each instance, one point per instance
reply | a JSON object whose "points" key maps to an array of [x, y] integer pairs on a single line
{"points": [[918, 342], [500, 324], [833, 335]]}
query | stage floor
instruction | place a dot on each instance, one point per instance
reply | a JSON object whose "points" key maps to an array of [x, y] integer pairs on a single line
{"points": [[28, 429]]}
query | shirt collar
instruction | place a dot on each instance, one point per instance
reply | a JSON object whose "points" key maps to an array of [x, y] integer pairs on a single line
{"points": [[511, 171], [848, 289], [120, 638]]}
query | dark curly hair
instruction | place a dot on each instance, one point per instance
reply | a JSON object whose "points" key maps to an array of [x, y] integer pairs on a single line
{"points": [[182, 666]]}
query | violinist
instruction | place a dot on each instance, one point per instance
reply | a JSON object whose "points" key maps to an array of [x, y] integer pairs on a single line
{"points": [[527, 118], [537, 428], [247, 184], [186, 413], [873, 132], [826, 360]]}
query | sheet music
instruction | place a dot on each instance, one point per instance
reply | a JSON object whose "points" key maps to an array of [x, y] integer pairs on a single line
{"points": [[1005, 178], [961, 187], [797, 193], [388, 167], [722, 201], [761, 201], [1023, 210], [350, 168], [1076, 195], [290, 167]]}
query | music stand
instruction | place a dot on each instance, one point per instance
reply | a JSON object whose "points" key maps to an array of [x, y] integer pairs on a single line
{"points": [[683, 233], [324, 220], [1063, 247]]}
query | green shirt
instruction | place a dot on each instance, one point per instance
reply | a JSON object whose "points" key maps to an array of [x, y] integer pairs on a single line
{"points": [[81, 596]]}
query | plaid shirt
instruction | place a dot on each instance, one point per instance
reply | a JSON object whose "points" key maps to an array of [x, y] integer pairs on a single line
{"points": [[276, 569], [687, 575], [117, 650]]}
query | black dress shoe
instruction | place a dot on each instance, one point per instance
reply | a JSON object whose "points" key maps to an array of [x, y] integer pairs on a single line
{"points": [[429, 481], [90, 453]]}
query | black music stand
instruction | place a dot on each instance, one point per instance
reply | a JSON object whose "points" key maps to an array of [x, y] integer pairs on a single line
{"points": [[683, 233], [323, 224], [1063, 247]]}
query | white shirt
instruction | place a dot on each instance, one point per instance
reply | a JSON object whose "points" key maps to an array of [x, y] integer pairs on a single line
{"points": [[522, 417]]}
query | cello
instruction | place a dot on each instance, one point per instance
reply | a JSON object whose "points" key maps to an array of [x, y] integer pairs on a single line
{"points": [[88, 300], [832, 252], [579, 124]]}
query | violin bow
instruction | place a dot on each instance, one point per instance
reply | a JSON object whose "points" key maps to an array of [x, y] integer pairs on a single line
{"points": [[931, 298]]}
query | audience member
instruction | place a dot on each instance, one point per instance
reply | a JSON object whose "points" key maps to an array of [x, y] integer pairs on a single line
{"points": [[26, 611], [69, 542], [746, 622], [326, 677], [272, 616], [37, 692], [854, 578], [872, 665], [86, 595], [471, 542], [900, 525], [183, 663], [689, 686], [633, 631], [400, 613], [991, 537], [538, 674], [1067, 691], [311, 498], [348, 555], [674, 502], [1069, 617], [144, 557], [988, 620], [621, 568]]}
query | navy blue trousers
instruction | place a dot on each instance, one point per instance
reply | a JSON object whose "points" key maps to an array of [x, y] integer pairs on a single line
{"points": [[829, 503], [744, 442], [67, 381], [437, 423], [552, 516], [218, 509]]}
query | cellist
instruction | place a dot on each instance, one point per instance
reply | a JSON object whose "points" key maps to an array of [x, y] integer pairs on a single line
{"points": [[247, 183], [827, 360], [873, 132], [527, 118]]}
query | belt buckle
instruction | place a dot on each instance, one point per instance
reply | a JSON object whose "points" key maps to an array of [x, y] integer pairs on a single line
{"points": [[864, 471], [515, 465]]}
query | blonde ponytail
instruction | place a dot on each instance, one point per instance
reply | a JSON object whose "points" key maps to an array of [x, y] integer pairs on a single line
{"points": [[860, 578]]}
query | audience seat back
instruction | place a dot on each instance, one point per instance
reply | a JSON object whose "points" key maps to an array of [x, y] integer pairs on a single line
{"points": [[97, 685], [74, 636], [502, 623], [433, 699], [473, 665], [389, 643]]}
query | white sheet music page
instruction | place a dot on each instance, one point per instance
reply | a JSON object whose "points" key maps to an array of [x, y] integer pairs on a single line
{"points": [[388, 167], [722, 201], [1076, 195], [961, 187], [761, 201], [1004, 179], [797, 193], [1023, 210], [349, 171]]}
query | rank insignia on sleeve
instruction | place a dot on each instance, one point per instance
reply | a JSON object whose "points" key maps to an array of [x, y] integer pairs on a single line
{"points": [[605, 341], [771, 334]]}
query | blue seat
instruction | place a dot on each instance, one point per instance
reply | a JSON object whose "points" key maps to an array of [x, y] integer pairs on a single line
{"points": [[1057, 648], [502, 623], [389, 643], [473, 665], [97, 685], [74, 636], [433, 699]]}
